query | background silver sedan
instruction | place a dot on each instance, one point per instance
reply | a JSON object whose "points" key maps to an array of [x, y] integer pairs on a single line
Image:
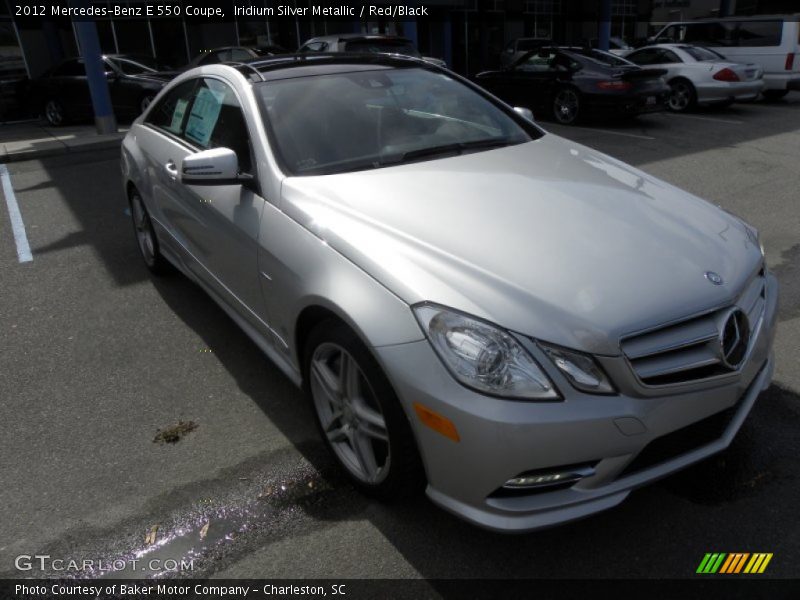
{"points": [[700, 76]]}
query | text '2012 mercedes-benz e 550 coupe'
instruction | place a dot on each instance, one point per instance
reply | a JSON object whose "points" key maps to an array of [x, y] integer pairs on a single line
{"points": [[524, 327]]}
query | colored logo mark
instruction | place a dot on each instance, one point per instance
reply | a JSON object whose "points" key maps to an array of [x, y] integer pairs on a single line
{"points": [[734, 563]]}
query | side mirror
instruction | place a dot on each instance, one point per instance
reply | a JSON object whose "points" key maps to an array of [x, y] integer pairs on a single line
{"points": [[525, 113], [218, 166]]}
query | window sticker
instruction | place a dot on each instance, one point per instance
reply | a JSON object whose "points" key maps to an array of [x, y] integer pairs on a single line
{"points": [[177, 115], [204, 115]]}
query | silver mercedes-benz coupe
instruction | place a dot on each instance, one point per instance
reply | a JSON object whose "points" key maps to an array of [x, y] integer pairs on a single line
{"points": [[524, 327]]}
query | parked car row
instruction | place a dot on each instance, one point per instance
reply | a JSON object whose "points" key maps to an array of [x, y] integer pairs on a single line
{"points": [[62, 93], [566, 83], [562, 82]]}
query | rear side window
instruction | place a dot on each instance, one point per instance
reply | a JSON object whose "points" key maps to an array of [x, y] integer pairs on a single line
{"points": [[171, 111], [759, 33], [648, 56]]}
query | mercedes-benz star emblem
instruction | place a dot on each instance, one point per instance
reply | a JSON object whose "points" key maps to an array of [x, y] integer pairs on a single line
{"points": [[734, 339], [714, 277]]}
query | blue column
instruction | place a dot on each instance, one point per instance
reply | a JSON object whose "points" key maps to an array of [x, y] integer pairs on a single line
{"points": [[410, 30], [725, 7], [86, 31], [604, 27]]}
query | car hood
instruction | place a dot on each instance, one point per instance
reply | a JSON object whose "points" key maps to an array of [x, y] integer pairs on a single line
{"points": [[548, 238]]}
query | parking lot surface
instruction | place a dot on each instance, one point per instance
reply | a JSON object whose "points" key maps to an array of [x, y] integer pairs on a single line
{"points": [[99, 358]]}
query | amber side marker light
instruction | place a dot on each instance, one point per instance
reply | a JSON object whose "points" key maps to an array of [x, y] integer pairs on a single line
{"points": [[437, 422]]}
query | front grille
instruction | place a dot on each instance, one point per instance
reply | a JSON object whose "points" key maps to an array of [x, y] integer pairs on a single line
{"points": [[690, 350], [682, 441]]}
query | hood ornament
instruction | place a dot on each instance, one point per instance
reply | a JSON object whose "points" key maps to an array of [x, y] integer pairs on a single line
{"points": [[714, 278]]}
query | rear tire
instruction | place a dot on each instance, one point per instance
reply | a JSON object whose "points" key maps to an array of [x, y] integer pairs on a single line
{"points": [[773, 95], [682, 96], [146, 236], [358, 414], [567, 106]]}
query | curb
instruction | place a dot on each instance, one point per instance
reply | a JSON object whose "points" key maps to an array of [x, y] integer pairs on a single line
{"points": [[60, 147]]}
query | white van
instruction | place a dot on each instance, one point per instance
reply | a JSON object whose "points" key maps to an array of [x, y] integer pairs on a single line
{"points": [[773, 41]]}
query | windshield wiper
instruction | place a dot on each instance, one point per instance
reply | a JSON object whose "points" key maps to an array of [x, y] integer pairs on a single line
{"points": [[456, 148]]}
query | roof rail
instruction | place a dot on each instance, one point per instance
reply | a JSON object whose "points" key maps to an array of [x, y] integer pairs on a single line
{"points": [[242, 66]]}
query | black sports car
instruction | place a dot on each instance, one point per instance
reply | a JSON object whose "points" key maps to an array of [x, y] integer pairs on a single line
{"points": [[567, 83], [62, 93]]}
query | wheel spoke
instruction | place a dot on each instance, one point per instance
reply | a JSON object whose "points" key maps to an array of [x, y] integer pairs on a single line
{"points": [[336, 434], [349, 377], [362, 446], [327, 382], [370, 421]]}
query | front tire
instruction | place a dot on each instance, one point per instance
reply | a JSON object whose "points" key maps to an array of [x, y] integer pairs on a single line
{"points": [[358, 414], [566, 106], [146, 236], [682, 96], [54, 112]]}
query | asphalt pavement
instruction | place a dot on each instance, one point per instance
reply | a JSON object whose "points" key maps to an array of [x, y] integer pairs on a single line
{"points": [[99, 360]]}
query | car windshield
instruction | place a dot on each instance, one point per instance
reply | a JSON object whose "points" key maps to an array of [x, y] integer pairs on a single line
{"points": [[702, 54], [383, 46], [368, 119]]}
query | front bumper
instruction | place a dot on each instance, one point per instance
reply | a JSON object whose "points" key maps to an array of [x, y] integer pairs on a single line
{"points": [[500, 439], [722, 91]]}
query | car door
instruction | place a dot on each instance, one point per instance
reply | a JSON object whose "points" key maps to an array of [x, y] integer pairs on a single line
{"points": [[220, 223], [160, 139]]}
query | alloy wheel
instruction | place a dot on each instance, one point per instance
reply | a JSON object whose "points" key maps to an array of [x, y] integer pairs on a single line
{"points": [[144, 230], [349, 413], [54, 112], [680, 97], [566, 105], [146, 101]]}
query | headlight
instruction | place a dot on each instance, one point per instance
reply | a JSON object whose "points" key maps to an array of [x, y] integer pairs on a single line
{"points": [[581, 370], [483, 356]]}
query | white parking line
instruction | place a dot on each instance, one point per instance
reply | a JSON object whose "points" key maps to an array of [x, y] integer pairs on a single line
{"points": [[699, 118], [17, 226]]}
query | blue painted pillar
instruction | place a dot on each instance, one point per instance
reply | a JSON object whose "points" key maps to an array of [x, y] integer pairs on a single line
{"points": [[410, 30], [86, 31], [604, 27], [725, 8]]}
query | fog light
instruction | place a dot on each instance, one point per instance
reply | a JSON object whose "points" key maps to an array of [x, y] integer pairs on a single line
{"points": [[559, 476]]}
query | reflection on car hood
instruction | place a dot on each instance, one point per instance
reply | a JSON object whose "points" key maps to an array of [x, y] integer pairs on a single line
{"points": [[547, 238]]}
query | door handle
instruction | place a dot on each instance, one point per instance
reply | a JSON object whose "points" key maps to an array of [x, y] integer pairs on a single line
{"points": [[171, 169]]}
